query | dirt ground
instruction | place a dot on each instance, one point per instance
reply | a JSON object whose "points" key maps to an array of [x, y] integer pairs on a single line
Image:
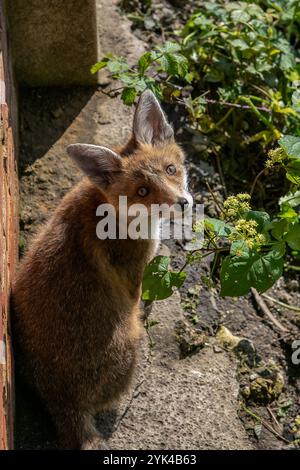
{"points": [[190, 392]]}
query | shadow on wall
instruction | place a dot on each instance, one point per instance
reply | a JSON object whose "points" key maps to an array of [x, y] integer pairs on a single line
{"points": [[46, 118], [45, 114]]}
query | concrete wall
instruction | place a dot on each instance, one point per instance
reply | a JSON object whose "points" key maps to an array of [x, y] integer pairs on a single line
{"points": [[54, 42], [8, 233]]}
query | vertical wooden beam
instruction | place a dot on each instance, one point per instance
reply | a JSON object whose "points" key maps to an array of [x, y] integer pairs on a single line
{"points": [[8, 233]]}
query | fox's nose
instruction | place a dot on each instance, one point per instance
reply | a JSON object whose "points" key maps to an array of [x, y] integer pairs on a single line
{"points": [[182, 202]]}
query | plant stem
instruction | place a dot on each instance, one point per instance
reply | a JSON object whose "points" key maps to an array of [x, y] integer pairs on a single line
{"points": [[236, 105], [211, 252], [264, 308], [282, 304], [257, 112], [214, 198], [294, 268], [221, 121], [265, 424], [256, 180]]}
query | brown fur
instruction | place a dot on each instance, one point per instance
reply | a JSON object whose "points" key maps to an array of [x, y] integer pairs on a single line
{"points": [[76, 298]]}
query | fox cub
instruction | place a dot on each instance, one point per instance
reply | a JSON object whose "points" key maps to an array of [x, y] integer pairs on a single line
{"points": [[76, 298]]}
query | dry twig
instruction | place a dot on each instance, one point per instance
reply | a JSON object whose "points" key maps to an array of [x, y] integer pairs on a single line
{"points": [[264, 308]]}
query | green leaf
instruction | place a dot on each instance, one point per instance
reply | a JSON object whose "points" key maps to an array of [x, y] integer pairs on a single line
{"points": [[239, 44], [170, 47], [253, 269], [293, 171], [169, 64], [287, 212], [99, 65], [117, 65], [234, 276], [278, 228], [130, 79], [280, 248], [158, 281], [128, 96], [151, 323], [219, 227], [140, 85], [292, 198], [262, 218], [144, 62], [239, 248], [266, 270], [153, 86], [291, 145], [240, 16], [293, 237], [283, 408]]}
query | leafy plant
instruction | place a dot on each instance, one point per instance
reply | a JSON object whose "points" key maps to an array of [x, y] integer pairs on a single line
{"points": [[235, 66], [255, 244], [166, 60], [159, 281], [235, 69]]}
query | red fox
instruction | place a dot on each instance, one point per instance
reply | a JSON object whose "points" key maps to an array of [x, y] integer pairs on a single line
{"points": [[77, 298]]}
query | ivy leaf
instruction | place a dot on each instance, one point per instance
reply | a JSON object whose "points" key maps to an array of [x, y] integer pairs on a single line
{"points": [[128, 96], [158, 281], [252, 269]]}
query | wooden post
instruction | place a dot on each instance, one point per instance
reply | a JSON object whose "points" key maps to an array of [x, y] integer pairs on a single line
{"points": [[8, 233]]}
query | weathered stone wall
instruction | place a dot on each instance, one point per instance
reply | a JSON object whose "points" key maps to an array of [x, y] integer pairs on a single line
{"points": [[8, 233], [54, 43]]}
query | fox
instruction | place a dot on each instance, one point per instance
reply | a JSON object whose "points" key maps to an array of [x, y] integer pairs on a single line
{"points": [[76, 298]]}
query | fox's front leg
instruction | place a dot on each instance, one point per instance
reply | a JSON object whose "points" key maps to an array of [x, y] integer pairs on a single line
{"points": [[76, 428]]}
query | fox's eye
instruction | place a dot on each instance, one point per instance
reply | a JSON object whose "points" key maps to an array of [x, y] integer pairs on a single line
{"points": [[171, 170], [142, 191]]}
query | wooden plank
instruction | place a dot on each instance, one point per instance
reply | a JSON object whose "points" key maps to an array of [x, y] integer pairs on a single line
{"points": [[8, 236]]}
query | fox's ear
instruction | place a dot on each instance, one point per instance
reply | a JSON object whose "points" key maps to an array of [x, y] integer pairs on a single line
{"points": [[99, 163], [150, 125]]}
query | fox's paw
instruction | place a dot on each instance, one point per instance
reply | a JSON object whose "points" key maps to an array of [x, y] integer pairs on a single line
{"points": [[95, 443]]}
